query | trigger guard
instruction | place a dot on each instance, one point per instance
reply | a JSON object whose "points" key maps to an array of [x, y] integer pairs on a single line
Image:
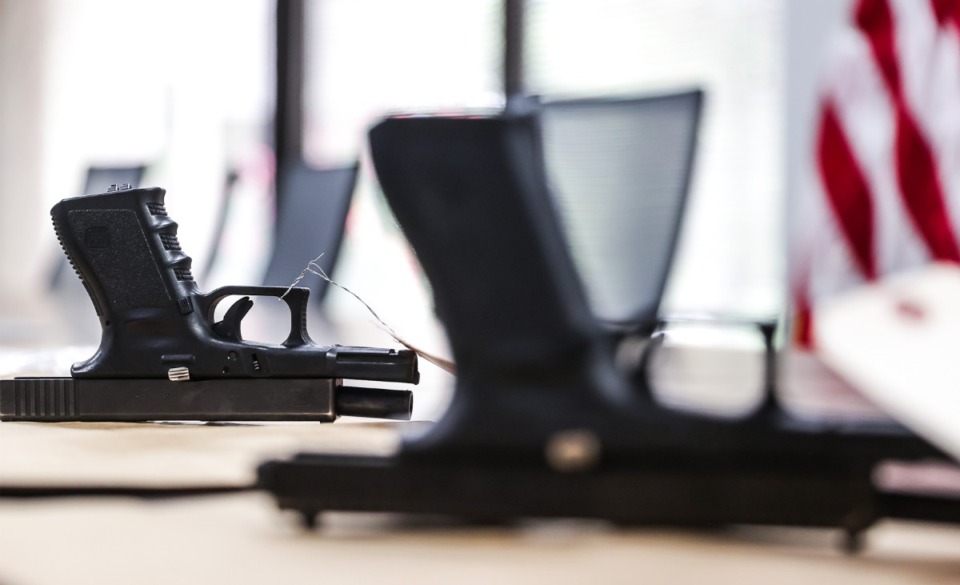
{"points": [[295, 298]]}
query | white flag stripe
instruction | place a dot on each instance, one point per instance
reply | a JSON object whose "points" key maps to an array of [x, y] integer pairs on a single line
{"points": [[944, 99], [833, 267]]}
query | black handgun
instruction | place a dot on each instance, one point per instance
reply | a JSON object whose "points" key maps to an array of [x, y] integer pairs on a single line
{"points": [[162, 355]]}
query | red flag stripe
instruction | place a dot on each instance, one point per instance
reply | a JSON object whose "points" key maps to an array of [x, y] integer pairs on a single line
{"points": [[802, 330], [946, 12], [874, 19], [917, 174], [923, 195], [846, 189]]}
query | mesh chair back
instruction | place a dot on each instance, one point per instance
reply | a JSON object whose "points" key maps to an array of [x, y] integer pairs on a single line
{"points": [[620, 171]]}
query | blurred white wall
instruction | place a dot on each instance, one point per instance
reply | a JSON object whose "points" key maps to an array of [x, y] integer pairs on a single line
{"points": [[811, 27], [23, 59]]}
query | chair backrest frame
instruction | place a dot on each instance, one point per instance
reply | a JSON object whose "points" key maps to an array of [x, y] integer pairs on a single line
{"points": [[311, 220]]}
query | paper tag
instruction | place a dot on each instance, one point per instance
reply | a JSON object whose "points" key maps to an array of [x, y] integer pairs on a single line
{"points": [[898, 342]]}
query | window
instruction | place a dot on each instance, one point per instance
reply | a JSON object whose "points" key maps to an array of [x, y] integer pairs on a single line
{"points": [[182, 86], [367, 58]]}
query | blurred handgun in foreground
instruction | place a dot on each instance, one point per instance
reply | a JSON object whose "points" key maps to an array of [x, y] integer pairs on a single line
{"points": [[543, 422]]}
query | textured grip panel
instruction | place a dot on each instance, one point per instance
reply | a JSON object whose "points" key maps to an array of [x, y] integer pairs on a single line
{"points": [[37, 399], [76, 270], [116, 247]]}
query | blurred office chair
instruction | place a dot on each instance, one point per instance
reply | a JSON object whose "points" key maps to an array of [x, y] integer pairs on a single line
{"points": [[620, 172], [311, 218], [220, 225]]}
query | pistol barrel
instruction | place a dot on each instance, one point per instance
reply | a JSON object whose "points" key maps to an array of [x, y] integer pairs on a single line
{"points": [[374, 403]]}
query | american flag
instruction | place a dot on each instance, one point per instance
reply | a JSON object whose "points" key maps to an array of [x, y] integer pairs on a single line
{"points": [[885, 172]]}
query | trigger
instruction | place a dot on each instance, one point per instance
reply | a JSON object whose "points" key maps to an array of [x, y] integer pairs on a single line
{"points": [[229, 327]]}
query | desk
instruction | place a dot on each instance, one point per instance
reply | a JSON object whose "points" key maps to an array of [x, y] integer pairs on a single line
{"points": [[242, 538]]}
